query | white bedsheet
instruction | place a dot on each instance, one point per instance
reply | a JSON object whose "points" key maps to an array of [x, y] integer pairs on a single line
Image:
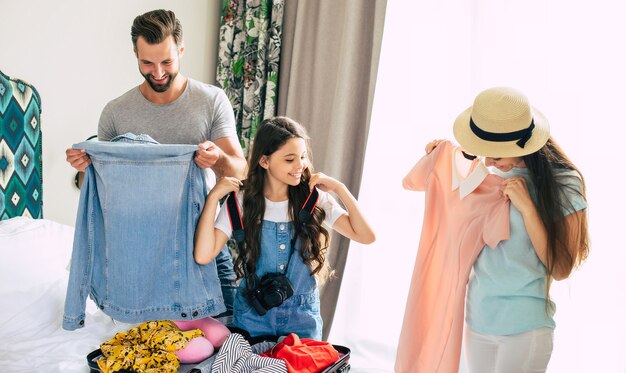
{"points": [[33, 280], [32, 339]]}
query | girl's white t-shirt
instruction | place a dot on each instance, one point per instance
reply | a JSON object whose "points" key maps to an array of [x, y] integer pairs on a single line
{"points": [[278, 212]]}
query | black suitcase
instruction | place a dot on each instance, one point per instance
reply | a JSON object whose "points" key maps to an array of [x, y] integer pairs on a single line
{"points": [[340, 366]]}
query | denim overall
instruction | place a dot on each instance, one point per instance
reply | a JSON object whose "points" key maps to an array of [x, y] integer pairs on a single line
{"points": [[133, 242], [300, 313]]}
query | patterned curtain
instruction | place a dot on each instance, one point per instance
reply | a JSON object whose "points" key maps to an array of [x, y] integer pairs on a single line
{"points": [[249, 60], [20, 149]]}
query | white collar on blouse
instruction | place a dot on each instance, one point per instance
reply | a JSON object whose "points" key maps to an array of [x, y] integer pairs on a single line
{"points": [[476, 176]]}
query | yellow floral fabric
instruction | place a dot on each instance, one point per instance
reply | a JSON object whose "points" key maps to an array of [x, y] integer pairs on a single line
{"points": [[147, 348]]}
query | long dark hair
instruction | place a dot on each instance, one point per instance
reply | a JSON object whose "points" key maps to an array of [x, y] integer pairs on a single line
{"points": [[543, 166], [314, 239]]}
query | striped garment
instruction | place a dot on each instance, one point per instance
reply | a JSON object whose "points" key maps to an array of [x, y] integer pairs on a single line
{"points": [[236, 356]]}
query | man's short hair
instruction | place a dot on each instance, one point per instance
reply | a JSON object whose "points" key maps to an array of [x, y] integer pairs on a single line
{"points": [[155, 26]]}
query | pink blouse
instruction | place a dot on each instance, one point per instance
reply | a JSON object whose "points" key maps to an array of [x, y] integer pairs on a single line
{"points": [[463, 212]]}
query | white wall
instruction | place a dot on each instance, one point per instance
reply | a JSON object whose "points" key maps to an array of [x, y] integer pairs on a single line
{"points": [[78, 54]]}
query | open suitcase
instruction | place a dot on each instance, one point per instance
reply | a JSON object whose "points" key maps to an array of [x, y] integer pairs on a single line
{"points": [[340, 366]]}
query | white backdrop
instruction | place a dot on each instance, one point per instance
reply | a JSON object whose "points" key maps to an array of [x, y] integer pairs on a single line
{"points": [[568, 57]]}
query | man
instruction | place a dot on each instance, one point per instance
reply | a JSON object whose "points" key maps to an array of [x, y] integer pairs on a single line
{"points": [[173, 109]]}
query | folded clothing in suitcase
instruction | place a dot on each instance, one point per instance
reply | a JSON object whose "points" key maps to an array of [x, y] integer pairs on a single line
{"points": [[201, 367], [258, 345], [293, 348]]}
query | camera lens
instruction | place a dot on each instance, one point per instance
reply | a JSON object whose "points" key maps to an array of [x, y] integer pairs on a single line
{"points": [[274, 298]]}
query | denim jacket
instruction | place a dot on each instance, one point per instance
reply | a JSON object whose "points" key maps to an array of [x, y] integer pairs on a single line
{"points": [[133, 243]]}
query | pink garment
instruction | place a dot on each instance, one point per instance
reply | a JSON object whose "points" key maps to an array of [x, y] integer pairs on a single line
{"points": [[200, 348], [454, 231]]}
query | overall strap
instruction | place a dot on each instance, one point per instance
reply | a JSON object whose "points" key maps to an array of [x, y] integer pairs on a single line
{"points": [[305, 215], [239, 233]]}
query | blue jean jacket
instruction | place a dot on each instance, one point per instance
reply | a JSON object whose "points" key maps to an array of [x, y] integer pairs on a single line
{"points": [[133, 243]]}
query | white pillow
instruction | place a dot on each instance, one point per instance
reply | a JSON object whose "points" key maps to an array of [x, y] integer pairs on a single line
{"points": [[33, 252]]}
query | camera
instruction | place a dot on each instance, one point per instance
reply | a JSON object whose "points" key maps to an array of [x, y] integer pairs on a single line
{"points": [[268, 292]]}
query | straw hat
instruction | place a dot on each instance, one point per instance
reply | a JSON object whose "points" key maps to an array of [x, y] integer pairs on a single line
{"points": [[501, 123]]}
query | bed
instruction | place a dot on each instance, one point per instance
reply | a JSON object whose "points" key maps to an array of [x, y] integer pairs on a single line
{"points": [[33, 282], [35, 252]]}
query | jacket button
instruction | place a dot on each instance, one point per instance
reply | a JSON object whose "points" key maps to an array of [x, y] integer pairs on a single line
{"points": [[81, 322], [183, 314], [195, 313]]}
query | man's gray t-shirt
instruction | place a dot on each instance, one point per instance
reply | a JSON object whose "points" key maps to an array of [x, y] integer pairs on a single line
{"points": [[201, 113]]}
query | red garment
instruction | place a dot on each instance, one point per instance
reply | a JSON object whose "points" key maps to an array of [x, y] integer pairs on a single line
{"points": [[304, 355]]}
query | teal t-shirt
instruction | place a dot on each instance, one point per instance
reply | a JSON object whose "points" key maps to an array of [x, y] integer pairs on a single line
{"points": [[507, 290]]}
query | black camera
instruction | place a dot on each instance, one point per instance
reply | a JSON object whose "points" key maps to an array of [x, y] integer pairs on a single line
{"points": [[269, 292]]}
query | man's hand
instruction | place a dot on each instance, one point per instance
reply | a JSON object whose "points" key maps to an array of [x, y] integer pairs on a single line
{"points": [[207, 155], [77, 158]]}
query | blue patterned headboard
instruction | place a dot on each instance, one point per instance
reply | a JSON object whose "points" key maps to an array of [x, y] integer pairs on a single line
{"points": [[20, 149]]}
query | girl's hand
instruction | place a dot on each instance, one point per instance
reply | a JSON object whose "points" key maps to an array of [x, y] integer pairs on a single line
{"points": [[323, 182], [225, 185], [432, 145], [516, 190]]}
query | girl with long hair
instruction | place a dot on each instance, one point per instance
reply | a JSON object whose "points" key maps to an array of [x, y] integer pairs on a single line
{"points": [[282, 257], [509, 313]]}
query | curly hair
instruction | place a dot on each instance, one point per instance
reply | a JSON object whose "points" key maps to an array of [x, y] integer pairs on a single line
{"points": [[313, 238]]}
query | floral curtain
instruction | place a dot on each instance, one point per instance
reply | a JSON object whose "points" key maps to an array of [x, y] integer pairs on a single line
{"points": [[249, 60]]}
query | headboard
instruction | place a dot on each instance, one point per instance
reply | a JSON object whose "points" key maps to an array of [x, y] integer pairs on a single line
{"points": [[20, 149]]}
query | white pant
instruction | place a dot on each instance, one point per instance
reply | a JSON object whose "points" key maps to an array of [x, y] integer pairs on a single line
{"points": [[518, 353]]}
